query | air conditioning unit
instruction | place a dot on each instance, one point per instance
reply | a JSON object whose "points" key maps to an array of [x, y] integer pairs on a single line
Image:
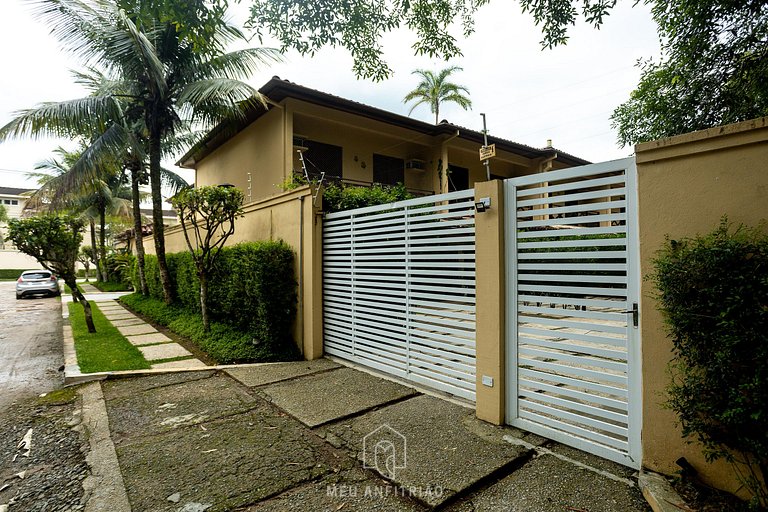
{"points": [[415, 164]]}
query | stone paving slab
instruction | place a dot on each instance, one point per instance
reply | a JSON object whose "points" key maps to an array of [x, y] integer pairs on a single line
{"points": [[350, 489], [128, 321], [124, 315], [548, 484], [447, 447], [268, 373], [130, 387], [221, 465], [146, 339], [168, 407], [132, 330], [329, 396], [164, 351], [184, 363]]}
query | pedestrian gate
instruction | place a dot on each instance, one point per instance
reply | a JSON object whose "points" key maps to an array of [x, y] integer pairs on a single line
{"points": [[573, 357], [399, 289]]}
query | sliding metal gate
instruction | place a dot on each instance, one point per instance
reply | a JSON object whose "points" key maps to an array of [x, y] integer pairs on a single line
{"points": [[572, 284], [399, 289]]}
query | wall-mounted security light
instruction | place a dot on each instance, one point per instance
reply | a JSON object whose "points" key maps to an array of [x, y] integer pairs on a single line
{"points": [[483, 204]]}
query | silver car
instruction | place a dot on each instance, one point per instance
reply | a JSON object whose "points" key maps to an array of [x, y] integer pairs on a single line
{"points": [[37, 282]]}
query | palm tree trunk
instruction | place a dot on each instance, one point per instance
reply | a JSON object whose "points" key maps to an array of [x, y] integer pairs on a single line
{"points": [[137, 231], [93, 246], [102, 243], [158, 231]]}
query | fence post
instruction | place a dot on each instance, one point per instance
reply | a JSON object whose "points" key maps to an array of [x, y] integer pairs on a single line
{"points": [[490, 301]]}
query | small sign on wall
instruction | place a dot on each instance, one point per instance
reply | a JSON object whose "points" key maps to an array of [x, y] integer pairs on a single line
{"points": [[487, 152]]}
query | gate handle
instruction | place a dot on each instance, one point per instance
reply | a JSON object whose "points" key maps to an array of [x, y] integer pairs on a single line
{"points": [[635, 314]]}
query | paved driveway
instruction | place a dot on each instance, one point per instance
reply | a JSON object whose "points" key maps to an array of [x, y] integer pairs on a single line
{"points": [[30, 345]]}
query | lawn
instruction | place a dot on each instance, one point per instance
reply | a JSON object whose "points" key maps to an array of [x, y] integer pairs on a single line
{"points": [[106, 349]]}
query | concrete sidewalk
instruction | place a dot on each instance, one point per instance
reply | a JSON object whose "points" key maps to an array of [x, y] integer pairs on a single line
{"points": [[320, 436]]}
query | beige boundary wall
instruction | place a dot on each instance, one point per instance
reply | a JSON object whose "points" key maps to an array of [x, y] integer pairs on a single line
{"points": [[291, 217], [685, 185]]}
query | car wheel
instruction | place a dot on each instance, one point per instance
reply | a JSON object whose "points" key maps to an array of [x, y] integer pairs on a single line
{"points": [[18, 297]]}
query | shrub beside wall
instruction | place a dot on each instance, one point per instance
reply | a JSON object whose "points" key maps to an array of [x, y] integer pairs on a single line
{"points": [[252, 290], [713, 292]]}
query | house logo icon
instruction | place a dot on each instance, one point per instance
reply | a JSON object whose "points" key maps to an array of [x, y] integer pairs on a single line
{"points": [[384, 450]]}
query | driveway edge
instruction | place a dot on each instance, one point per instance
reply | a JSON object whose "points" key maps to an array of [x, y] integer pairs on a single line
{"points": [[104, 488]]}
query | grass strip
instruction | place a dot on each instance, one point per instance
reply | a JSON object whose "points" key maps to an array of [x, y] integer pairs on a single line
{"points": [[173, 359], [106, 349], [223, 343]]}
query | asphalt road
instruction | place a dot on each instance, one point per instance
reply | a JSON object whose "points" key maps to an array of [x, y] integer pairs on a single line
{"points": [[30, 345]]}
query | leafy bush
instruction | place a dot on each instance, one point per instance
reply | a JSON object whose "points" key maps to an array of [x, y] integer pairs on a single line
{"points": [[119, 267], [223, 342], [713, 292], [252, 289], [339, 197]]}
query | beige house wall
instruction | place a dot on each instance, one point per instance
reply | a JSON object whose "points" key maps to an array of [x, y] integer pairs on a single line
{"points": [[685, 185], [258, 150], [291, 217]]}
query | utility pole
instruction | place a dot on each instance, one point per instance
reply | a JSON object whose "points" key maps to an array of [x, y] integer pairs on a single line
{"points": [[487, 161]]}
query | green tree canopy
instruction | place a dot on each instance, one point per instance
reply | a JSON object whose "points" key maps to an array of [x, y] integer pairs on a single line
{"points": [[435, 89], [714, 70], [54, 241]]}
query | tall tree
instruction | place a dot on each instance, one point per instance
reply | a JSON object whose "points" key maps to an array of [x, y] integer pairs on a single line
{"points": [[169, 57], [435, 89], [714, 70]]}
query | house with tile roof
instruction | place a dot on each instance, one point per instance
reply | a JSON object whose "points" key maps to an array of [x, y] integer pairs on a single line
{"points": [[347, 141]]}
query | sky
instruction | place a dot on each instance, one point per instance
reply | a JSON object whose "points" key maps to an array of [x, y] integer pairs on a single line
{"points": [[529, 95]]}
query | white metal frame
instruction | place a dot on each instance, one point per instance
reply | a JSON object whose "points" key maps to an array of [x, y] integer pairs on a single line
{"points": [[399, 289], [555, 423]]}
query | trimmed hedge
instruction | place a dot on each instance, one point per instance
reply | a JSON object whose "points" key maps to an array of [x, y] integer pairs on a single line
{"points": [[252, 289], [223, 342], [10, 274]]}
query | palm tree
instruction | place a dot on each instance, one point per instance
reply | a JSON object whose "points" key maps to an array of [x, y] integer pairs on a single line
{"points": [[95, 200], [170, 74], [434, 89]]}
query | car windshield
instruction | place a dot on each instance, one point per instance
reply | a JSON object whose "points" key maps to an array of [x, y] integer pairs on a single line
{"points": [[36, 275]]}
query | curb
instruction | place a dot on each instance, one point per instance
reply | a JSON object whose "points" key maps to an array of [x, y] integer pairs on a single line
{"points": [[105, 488], [659, 493]]}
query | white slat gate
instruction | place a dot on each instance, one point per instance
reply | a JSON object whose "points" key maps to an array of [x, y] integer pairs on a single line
{"points": [[399, 289], [572, 284]]}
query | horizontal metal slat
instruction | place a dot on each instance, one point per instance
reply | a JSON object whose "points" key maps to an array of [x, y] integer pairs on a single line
{"points": [[573, 278], [572, 221], [570, 197], [550, 430], [576, 313], [573, 393], [575, 418], [572, 185], [590, 303], [573, 290], [592, 387], [526, 352], [577, 349], [572, 255], [576, 267], [588, 338], [574, 372], [525, 245], [576, 231], [586, 326], [577, 208], [577, 407]]}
